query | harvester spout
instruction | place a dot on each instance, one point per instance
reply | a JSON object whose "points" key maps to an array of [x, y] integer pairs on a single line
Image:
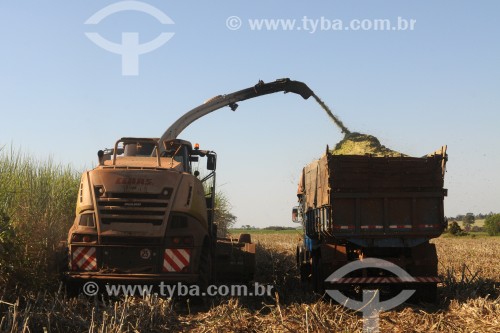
{"points": [[286, 85]]}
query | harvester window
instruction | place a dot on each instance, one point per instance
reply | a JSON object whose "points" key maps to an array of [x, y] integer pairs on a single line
{"points": [[139, 149], [87, 220], [180, 154]]}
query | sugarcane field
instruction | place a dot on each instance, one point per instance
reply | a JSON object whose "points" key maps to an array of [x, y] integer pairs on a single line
{"points": [[249, 167]]}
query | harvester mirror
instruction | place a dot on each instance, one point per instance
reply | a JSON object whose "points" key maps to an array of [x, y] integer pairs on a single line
{"points": [[104, 155], [295, 215], [100, 156], [211, 162]]}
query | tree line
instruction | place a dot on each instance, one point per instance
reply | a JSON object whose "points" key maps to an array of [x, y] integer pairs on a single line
{"points": [[491, 224]]}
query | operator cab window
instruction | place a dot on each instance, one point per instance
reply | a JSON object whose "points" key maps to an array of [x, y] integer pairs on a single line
{"points": [[139, 149], [179, 154]]}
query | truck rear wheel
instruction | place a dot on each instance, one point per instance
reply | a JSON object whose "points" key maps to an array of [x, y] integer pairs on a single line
{"points": [[305, 272], [303, 265], [299, 256], [317, 274], [426, 292]]}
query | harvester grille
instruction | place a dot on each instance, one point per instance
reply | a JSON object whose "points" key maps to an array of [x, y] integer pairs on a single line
{"points": [[132, 208]]}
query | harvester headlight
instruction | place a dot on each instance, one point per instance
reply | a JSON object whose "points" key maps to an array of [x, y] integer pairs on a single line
{"points": [[99, 191], [166, 193]]}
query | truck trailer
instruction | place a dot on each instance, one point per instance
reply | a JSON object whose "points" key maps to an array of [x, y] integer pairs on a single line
{"points": [[354, 207]]}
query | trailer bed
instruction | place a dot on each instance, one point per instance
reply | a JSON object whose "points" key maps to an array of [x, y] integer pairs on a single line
{"points": [[366, 197]]}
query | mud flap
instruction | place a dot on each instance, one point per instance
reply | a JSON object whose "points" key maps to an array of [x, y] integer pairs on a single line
{"points": [[425, 263], [333, 257]]}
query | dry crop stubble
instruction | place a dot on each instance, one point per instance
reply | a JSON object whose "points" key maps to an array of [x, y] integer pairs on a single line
{"points": [[291, 310], [470, 268]]}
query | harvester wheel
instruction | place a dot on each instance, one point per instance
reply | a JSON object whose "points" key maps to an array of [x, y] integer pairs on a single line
{"points": [[73, 288], [60, 260], [205, 269]]}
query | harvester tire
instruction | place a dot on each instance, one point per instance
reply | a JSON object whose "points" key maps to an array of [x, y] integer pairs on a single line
{"points": [[60, 259], [73, 288], [205, 269]]}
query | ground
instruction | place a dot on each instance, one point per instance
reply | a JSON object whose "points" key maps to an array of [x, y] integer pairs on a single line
{"points": [[468, 300]]}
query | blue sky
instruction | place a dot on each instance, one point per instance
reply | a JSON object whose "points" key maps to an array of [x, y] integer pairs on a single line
{"points": [[65, 97]]}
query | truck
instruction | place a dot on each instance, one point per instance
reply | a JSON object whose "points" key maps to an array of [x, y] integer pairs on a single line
{"points": [[146, 212], [356, 207]]}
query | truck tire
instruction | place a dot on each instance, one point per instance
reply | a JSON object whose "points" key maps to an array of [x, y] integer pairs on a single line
{"points": [[305, 272], [426, 293], [317, 274], [299, 257], [303, 265], [427, 256]]}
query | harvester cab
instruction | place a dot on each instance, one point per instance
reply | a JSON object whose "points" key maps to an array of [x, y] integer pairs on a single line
{"points": [[180, 153]]}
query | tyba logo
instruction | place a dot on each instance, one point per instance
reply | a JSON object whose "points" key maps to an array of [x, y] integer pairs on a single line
{"points": [[370, 306], [129, 49]]}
